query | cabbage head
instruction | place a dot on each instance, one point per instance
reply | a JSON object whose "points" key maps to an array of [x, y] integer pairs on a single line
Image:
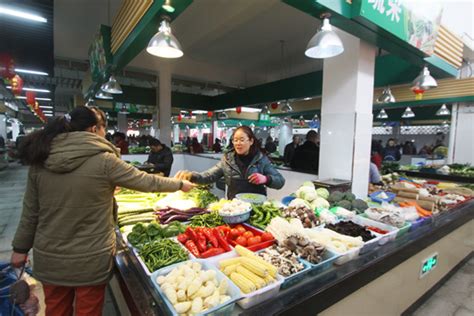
{"points": [[322, 192], [306, 193]]}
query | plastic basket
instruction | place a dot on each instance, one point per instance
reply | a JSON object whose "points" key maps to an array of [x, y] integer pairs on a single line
{"points": [[223, 309], [329, 257], [390, 196]]}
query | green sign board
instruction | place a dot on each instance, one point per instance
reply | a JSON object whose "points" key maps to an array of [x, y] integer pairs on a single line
{"points": [[100, 56], [413, 21], [428, 264]]}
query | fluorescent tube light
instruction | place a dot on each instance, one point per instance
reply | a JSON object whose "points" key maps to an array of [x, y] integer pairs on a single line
{"points": [[22, 14], [33, 89], [33, 72]]}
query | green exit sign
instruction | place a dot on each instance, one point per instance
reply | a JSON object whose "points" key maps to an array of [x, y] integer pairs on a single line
{"points": [[428, 264]]}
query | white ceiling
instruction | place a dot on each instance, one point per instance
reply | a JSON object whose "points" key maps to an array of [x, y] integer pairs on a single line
{"points": [[235, 43]]}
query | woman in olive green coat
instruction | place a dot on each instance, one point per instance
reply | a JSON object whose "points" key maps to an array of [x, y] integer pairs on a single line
{"points": [[68, 205]]}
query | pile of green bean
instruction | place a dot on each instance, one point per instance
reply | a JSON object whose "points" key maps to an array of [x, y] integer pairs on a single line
{"points": [[161, 253]]}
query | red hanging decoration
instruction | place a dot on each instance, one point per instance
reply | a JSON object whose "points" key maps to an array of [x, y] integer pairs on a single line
{"points": [[190, 114], [7, 66], [238, 110], [418, 93], [17, 85], [180, 117], [30, 98], [209, 114], [274, 105]]}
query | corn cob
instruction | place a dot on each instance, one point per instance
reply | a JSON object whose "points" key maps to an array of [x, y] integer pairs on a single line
{"points": [[229, 269], [244, 252], [242, 282], [227, 262], [255, 279], [255, 267], [269, 279]]}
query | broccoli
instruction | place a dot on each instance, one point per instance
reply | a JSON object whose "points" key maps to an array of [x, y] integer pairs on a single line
{"points": [[336, 196], [359, 205], [349, 196], [345, 204]]}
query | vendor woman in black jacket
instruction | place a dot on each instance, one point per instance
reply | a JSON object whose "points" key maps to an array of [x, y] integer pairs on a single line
{"points": [[160, 156], [245, 169]]}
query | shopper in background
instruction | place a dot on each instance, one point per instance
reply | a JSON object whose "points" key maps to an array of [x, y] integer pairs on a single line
{"points": [[374, 174], [196, 147], [425, 150], [409, 148], [121, 143], [2, 141], [245, 169], [270, 146], [68, 216], [306, 157], [391, 152], [160, 156], [290, 150], [375, 156], [216, 147]]}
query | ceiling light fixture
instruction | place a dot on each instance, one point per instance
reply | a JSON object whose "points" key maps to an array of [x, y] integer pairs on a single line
{"points": [[386, 97], [32, 89], [112, 86], [222, 116], [443, 111], [103, 95], [164, 43], [408, 113], [287, 107], [424, 81], [325, 43], [45, 107], [31, 72], [37, 99], [382, 114], [306, 99], [168, 7], [48, 114], [265, 110], [90, 102], [22, 14]]}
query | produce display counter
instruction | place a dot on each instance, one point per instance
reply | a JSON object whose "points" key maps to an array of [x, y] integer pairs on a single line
{"points": [[437, 176], [384, 280]]}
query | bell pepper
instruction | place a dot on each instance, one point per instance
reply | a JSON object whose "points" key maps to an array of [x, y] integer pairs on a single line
{"points": [[221, 239], [210, 237], [191, 246], [182, 238], [211, 252], [201, 242]]}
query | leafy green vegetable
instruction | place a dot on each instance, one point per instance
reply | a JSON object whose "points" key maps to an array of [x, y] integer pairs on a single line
{"points": [[139, 228], [154, 229]]}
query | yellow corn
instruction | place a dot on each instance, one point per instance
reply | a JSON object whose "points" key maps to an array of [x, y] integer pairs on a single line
{"points": [[255, 267], [255, 279], [242, 282], [227, 262], [244, 252], [269, 279], [229, 269]]}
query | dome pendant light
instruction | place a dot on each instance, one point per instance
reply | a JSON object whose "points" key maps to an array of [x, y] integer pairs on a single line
{"points": [[103, 95], [287, 107], [112, 86], [408, 113], [325, 43], [265, 110], [382, 114], [424, 81], [164, 43], [443, 111], [222, 116], [386, 97]]}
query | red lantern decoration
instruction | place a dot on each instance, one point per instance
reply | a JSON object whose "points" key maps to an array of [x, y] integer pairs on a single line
{"points": [[274, 105], [190, 114], [7, 66], [238, 110], [418, 93], [30, 98], [180, 117], [17, 85], [209, 114]]}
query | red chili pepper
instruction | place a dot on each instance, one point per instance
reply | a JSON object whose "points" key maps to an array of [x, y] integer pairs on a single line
{"points": [[210, 237], [377, 230], [212, 252], [192, 248], [221, 239], [191, 234], [182, 238], [201, 242]]}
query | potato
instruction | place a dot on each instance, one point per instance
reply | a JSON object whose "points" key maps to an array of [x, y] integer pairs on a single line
{"points": [[196, 266], [171, 295], [196, 306], [183, 307], [160, 280], [193, 287], [223, 299], [223, 287], [181, 295]]}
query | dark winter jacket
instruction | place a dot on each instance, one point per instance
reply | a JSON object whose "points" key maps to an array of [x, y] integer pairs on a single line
{"points": [[306, 158], [163, 160]]}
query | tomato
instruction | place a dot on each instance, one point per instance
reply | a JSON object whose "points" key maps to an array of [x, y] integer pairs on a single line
{"points": [[239, 226], [234, 233], [241, 229], [241, 240], [254, 241], [247, 234], [266, 236]]}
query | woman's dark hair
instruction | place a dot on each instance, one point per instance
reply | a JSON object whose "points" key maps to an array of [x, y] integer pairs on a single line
{"points": [[254, 148], [35, 148]]}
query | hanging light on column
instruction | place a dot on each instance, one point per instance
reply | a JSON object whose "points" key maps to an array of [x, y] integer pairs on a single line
{"points": [[90, 102], [222, 115], [382, 114], [287, 107], [325, 43], [386, 96], [112, 86], [408, 113], [164, 43], [103, 95], [443, 111], [424, 81], [265, 110]]}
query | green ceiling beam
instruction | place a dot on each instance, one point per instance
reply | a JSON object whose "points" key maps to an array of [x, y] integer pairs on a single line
{"points": [[424, 103], [138, 39]]}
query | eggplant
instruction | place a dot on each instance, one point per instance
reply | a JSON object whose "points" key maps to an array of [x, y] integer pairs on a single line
{"points": [[180, 218]]}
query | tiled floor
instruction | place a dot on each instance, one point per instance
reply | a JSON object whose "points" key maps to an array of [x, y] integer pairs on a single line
{"points": [[12, 187]]}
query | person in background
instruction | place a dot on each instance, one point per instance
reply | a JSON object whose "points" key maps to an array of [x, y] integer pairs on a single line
{"points": [[2, 141], [391, 152], [245, 169], [196, 147], [108, 136], [375, 156], [68, 214], [306, 157], [374, 174], [270, 146], [216, 147], [160, 156], [19, 139], [409, 148], [121, 143], [290, 150], [425, 150]]}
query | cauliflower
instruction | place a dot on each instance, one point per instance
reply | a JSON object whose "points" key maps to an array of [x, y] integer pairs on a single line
{"points": [[307, 193], [319, 203], [322, 192]]}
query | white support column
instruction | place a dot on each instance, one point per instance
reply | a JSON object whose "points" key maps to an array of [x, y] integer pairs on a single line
{"points": [[176, 132], [462, 130], [3, 126], [164, 102], [346, 114], [122, 123], [285, 136]]}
